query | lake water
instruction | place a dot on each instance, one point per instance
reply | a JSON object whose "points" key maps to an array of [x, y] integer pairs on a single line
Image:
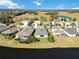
{"points": [[54, 53]]}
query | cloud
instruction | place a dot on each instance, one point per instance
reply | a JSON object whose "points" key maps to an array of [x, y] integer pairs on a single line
{"points": [[75, 8], [9, 4], [38, 2]]}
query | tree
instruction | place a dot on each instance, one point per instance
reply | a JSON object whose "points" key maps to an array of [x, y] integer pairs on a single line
{"points": [[65, 19], [50, 37], [74, 19], [62, 19]]}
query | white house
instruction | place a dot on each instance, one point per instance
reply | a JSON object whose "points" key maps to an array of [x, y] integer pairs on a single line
{"points": [[71, 32], [61, 23], [77, 23], [58, 33], [41, 33], [68, 23], [37, 24], [56, 30], [53, 22], [76, 28], [25, 22]]}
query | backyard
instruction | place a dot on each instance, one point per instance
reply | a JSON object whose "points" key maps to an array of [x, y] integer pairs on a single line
{"points": [[60, 41]]}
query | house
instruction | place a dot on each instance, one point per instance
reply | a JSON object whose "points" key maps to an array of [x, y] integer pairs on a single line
{"points": [[57, 33], [2, 24], [41, 33], [53, 22], [10, 31], [76, 28], [68, 24], [3, 28], [48, 27], [19, 26], [71, 32], [37, 24], [24, 33], [56, 30], [25, 22], [60, 23], [77, 23]]}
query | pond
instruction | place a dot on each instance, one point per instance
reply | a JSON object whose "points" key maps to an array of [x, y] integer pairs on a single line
{"points": [[53, 53]]}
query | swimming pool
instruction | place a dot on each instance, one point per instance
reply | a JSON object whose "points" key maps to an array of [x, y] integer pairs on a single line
{"points": [[64, 16]]}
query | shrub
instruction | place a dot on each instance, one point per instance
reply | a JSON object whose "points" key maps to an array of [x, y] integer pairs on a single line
{"points": [[51, 39], [30, 39], [33, 39], [12, 36], [9, 37]]}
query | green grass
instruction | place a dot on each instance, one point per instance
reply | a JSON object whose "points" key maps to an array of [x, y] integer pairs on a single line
{"points": [[43, 40], [2, 36]]}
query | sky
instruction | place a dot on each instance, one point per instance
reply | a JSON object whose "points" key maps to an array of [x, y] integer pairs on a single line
{"points": [[39, 4]]}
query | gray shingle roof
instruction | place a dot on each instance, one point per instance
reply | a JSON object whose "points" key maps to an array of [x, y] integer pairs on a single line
{"points": [[71, 31], [56, 28], [12, 30], [41, 31], [25, 32], [2, 28], [61, 32]]}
